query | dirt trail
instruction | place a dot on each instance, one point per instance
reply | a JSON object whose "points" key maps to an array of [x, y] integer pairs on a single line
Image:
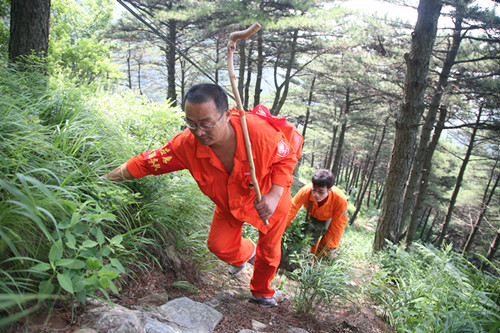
{"points": [[229, 296]]}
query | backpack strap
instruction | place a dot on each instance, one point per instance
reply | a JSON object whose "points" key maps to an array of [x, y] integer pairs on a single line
{"points": [[268, 116]]}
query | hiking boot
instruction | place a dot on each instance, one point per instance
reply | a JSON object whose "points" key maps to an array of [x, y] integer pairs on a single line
{"points": [[264, 301], [235, 270]]}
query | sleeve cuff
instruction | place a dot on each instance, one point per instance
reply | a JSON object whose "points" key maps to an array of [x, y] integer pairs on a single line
{"points": [[135, 167]]}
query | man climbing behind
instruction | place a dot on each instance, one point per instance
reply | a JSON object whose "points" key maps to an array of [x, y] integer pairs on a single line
{"points": [[212, 149], [326, 215]]}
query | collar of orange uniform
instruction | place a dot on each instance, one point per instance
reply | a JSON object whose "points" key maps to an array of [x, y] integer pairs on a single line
{"points": [[202, 151]]}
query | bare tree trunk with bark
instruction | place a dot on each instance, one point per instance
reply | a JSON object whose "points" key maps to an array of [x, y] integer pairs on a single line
{"points": [[29, 30], [343, 128], [246, 95], [407, 121], [260, 68], [425, 222], [282, 89], [429, 232], [430, 118], [458, 183], [493, 246], [241, 70], [359, 200], [426, 170], [484, 207], [306, 121], [172, 36]]}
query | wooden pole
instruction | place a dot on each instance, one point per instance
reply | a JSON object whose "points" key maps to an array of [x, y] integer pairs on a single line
{"points": [[231, 46]]}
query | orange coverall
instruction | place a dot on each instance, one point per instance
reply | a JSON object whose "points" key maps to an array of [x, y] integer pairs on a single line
{"points": [[335, 208], [232, 193]]}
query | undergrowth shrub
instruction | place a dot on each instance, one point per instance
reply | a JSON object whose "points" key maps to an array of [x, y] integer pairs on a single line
{"points": [[63, 231], [427, 289], [320, 282]]}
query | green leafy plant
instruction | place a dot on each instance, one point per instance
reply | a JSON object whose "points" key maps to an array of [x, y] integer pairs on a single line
{"points": [[437, 290], [81, 258], [320, 282], [295, 238]]}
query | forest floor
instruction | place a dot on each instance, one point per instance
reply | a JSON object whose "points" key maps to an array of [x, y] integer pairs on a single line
{"points": [[231, 295]]}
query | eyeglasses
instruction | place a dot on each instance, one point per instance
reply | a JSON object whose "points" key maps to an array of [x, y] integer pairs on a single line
{"points": [[203, 127], [319, 192]]}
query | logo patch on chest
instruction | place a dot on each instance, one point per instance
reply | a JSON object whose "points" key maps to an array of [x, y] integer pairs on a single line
{"points": [[283, 149]]}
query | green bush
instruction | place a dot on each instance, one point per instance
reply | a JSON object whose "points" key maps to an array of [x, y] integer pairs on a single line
{"points": [[63, 231], [427, 289], [320, 282]]}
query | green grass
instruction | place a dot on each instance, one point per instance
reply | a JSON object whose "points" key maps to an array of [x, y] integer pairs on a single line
{"points": [[66, 234], [431, 290], [63, 231]]}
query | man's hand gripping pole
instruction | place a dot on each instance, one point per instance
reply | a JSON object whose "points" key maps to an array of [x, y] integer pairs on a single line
{"points": [[231, 46]]}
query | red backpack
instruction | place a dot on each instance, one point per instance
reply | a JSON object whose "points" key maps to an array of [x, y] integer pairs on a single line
{"points": [[288, 129]]}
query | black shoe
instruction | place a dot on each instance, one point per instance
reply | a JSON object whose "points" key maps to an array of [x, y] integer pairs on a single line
{"points": [[264, 301], [235, 270]]}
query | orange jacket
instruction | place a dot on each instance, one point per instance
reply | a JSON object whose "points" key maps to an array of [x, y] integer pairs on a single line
{"points": [[335, 208], [274, 164]]}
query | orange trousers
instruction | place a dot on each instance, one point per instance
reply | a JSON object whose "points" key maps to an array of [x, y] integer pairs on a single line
{"points": [[226, 242]]}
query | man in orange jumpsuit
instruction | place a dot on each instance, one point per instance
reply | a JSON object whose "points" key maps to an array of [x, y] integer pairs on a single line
{"points": [[327, 213], [212, 149]]}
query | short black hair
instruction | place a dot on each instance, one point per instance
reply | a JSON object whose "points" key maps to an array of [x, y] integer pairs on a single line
{"points": [[322, 177], [203, 92]]}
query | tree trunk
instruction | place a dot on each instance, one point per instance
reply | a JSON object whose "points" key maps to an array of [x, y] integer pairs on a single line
{"points": [[425, 223], [129, 71], [343, 127], [359, 199], [425, 135], [349, 170], [429, 232], [484, 207], [306, 121], [381, 198], [332, 145], [139, 77], [493, 247], [29, 30], [217, 59], [241, 70], [280, 98], [260, 68], [407, 122], [183, 80], [426, 171], [458, 183], [368, 198], [350, 185], [312, 154], [249, 79], [172, 36], [337, 177], [362, 175]]}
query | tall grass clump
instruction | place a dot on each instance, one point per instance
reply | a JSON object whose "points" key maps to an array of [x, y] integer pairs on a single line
{"points": [[320, 282], [63, 231], [431, 290]]}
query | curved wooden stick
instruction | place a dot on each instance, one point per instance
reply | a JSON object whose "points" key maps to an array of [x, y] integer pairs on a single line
{"points": [[231, 46]]}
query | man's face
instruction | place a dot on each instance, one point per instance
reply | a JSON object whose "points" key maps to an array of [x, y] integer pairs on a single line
{"points": [[213, 124], [319, 193]]}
